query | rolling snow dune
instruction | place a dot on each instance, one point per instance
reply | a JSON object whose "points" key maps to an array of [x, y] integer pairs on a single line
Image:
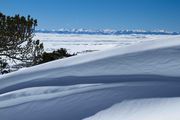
{"points": [[81, 86], [81, 102], [159, 57]]}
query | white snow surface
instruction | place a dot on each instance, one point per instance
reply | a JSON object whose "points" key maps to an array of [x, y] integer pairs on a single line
{"points": [[79, 43], [144, 109], [139, 81]]}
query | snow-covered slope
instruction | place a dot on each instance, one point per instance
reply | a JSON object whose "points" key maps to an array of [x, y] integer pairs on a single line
{"points": [[78, 87]]}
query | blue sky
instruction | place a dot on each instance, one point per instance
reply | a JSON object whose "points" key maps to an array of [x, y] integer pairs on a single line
{"points": [[99, 14]]}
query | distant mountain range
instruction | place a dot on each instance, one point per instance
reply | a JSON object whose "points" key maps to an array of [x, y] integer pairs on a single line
{"points": [[107, 32]]}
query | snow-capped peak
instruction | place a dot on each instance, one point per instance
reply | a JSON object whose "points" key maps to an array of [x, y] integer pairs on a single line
{"points": [[107, 31]]}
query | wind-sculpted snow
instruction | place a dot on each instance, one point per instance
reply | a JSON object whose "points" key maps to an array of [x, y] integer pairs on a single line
{"points": [[143, 109], [149, 58], [45, 93], [81, 86], [80, 101]]}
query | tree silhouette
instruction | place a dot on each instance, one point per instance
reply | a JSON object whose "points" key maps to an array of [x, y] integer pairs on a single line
{"points": [[16, 38]]}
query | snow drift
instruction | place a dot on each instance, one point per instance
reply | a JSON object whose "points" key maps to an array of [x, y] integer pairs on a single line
{"points": [[144, 109], [78, 87]]}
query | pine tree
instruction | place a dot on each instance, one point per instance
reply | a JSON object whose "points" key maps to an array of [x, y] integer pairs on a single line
{"points": [[16, 38]]}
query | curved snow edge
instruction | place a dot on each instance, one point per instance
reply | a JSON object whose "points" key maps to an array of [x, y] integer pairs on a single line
{"points": [[142, 109], [45, 93]]}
